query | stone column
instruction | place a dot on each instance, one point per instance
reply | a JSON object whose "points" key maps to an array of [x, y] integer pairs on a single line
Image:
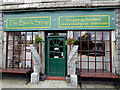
{"points": [[42, 52], [114, 64], [4, 51], [69, 34]]}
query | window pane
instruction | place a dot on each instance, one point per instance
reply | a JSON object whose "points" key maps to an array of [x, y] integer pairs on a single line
{"points": [[92, 36], [17, 34], [10, 44], [29, 36], [22, 36], [107, 46], [92, 66], [107, 67], [10, 36], [10, 54], [106, 35], [77, 35], [99, 37], [99, 66], [107, 56]]}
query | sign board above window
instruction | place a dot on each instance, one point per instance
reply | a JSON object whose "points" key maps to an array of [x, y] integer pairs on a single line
{"points": [[60, 20]]}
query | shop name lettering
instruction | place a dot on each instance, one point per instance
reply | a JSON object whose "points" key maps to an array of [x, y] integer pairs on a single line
{"points": [[38, 22], [84, 21]]}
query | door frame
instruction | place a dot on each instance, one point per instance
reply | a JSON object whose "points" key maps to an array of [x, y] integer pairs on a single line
{"points": [[47, 53]]}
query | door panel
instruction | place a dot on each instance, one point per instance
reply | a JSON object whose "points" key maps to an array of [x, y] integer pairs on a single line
{"points": [[56, 56]]}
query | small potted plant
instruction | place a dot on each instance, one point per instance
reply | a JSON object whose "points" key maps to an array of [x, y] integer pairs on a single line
{"points": [[38, 39], [70, 41]]}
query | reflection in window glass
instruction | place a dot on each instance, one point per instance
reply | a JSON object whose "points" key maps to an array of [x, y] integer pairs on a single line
{"points": [[10, 36], [29, 36], [94, 49], [17, 34], [19, 50], [106, 35]]}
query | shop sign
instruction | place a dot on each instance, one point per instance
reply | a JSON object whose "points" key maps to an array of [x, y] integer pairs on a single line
{"points": [[84, 21], [28, 22], [60, 20]]}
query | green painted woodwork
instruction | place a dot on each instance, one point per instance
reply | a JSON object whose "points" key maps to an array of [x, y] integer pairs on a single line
{"points": [[84, 21], [56, 56], [60, 20], [28, 22]]}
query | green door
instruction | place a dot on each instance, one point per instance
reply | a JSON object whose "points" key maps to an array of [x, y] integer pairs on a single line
{"points": [[56, 56]]}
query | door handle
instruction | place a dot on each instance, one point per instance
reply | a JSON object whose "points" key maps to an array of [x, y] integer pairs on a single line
{"points": [[63, 57]]}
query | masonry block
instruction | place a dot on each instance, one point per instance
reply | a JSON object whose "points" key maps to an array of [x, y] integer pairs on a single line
{"points": [[24, 6], [37, 68], [35, 78], [11, 6], [118, 57], [119, 52], [73, 80]]}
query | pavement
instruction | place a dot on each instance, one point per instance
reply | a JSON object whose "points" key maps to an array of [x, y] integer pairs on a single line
{"points": [[20, 82]]}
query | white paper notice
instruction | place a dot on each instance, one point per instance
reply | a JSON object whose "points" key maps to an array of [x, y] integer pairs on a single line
{"points": [[56, 57], [56, 48], [61, 53]]}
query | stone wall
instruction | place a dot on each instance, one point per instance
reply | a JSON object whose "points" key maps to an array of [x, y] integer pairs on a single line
{"points": [[118, 38], [1, 35], [22, 4], [37, 4]]}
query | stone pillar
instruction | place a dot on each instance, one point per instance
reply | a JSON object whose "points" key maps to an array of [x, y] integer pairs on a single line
{"points": [[42, 52], [4, 51], [69, 34], [114, 64]]}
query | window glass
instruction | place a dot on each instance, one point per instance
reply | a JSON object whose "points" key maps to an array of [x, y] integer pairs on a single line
{"points": [[20, 53], [106, 35], [94, 49]]}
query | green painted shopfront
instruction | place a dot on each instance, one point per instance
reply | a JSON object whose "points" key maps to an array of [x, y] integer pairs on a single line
{"points": [[93, 30]]}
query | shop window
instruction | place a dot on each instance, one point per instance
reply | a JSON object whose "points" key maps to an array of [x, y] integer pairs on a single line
{"points": [[19, 55], [94, 50]]}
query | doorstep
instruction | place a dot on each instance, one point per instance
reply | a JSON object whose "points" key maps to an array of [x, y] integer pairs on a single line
{"points": [[55, 78]]}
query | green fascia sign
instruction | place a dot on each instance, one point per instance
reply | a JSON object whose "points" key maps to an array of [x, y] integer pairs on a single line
{"points": [[60, 20]]}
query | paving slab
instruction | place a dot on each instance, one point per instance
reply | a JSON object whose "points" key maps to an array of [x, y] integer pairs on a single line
{"points": [[20, 83]]}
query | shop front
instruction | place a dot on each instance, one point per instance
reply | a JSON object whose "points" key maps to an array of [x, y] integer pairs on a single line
{"points": [[92, 29]]}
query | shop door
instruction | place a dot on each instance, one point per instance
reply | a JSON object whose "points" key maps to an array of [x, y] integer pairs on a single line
{"points": [[56, 56]]}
